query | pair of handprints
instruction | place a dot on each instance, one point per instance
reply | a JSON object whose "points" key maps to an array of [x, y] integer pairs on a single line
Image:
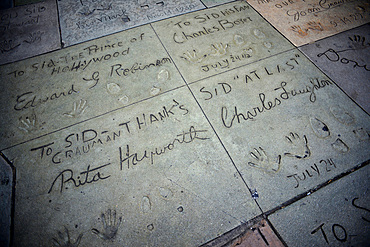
{"points": [[8, 45], [109, 231], [303, 31], [218, 49], [264, 162]]}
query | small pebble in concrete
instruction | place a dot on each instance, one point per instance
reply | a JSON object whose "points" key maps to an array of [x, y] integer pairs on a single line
{"points": [[150, 227]]}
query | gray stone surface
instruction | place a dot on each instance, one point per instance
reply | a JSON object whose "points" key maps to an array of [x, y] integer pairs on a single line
{"points": [[211, 3], [88, 19], [6, 187], [169, 179], [281, 123], [28, 30], [345, 58], [111, 148], [215, 40], [65, 87], [336, 215]]}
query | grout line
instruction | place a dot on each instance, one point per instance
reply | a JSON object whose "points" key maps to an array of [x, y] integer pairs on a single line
{"points": [[209, 122], [276, 232], [205, 6], [59, 27], [316, 188]]}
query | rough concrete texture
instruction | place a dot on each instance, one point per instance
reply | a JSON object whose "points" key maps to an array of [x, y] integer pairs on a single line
{"points": [[306, 21], [6, 187], [88, 19], [178, 133], [212, 3], [28, 30], [345, 58], [336, 215]]}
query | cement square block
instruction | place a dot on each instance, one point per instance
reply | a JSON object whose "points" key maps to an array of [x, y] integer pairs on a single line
{"points": [[6, 188], [219, 39], [345, 58], [53, 91], [305, 21], [151, 174], [336, 215], [28, 30], [87, 19], [285, 124]]}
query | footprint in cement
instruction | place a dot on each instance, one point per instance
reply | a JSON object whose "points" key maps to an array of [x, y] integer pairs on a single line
{"points": [[124, 99], [155, 91], [342, 115], [259, 34], [165, 193], [268, 45], [340, 146], [146, 205], [320, 129], [238, 40], [113, 88], [163, 75], [362, 134]]}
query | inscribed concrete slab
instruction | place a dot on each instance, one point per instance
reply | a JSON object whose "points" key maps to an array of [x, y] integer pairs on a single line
{"points": [[215, 40], [88, 19], [6, 187], [305, 21], [29, 30], [211, 3], [151, 174], [286, 125], [49, 92], [345, 58], [336, 215]]}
